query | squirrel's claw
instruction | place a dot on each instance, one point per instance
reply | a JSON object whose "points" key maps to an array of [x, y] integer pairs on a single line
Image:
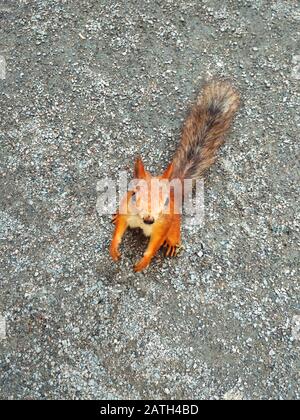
{"points": [[141, 265], [172, 250], [114, 218], [115, 253]]}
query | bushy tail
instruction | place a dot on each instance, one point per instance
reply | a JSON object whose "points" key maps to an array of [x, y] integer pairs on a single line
{"points": [[204, 129]]}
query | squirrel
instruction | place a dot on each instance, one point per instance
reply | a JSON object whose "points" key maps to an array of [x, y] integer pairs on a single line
{"points": [[202, 135]]}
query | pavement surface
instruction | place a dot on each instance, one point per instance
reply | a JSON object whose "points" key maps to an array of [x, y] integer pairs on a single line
{"points": [[85, 86]]}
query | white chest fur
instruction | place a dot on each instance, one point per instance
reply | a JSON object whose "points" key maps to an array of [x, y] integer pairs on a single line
{"points": [[136, 222]]}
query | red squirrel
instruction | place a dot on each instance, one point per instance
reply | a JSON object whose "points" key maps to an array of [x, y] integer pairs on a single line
{"points": [[202, 135]]}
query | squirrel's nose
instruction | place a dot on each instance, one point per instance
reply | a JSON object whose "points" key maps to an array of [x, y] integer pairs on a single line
{"points": [[148, 220]]}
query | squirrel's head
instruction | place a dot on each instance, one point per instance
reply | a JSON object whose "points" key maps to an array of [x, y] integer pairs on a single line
{"points": [[149, 197]]}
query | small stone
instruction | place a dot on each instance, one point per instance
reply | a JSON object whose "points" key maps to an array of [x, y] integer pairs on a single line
{"points": [[2, 328]]}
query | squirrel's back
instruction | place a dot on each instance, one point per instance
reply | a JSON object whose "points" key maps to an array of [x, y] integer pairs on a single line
{"points": [[204, 129]]}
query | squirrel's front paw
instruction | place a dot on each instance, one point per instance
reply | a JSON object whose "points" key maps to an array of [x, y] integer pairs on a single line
{"points": [[115, 253], [171, 250], [142, 264]]}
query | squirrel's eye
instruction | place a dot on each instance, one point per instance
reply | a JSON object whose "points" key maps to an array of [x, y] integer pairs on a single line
{"points": [[167, 201], [133, 197]]}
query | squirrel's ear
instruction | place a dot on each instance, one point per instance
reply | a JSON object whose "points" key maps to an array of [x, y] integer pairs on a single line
{"points": [[168, 172], [139, 169]]}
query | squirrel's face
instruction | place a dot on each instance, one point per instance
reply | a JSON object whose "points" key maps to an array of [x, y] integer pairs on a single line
{"points": [[150, 196], [149, 200]]}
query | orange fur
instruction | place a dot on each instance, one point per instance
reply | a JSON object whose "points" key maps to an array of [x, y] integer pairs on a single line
{"points": [[202, 135]]}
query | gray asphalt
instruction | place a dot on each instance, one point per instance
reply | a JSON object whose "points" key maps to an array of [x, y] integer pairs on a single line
{"points": [[86, 87]]}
